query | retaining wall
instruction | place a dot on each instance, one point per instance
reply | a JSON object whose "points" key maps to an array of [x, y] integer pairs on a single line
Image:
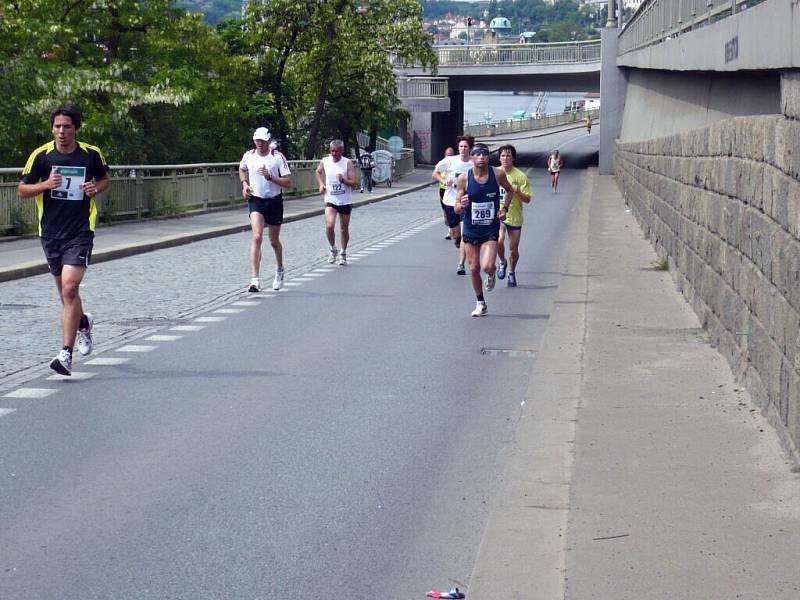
{"points": [[722, 203]]}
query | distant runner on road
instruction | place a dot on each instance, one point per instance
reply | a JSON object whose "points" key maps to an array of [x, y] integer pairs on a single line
{"points": [[442, 187], [554, 164], [447, 172], [478, 200], [264, 172], [588, 124], [511, 228], [336, 179], [64, 176]]}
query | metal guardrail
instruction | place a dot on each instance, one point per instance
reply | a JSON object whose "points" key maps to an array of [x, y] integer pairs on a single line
{"points": [[422, 87], [519, 54], [148, 191], [659, 20], [531, 123]]}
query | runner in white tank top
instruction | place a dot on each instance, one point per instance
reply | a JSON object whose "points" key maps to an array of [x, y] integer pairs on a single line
{"points": [[336, 178]]}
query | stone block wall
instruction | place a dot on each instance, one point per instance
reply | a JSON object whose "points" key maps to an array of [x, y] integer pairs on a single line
{"points": [[722, 203]]}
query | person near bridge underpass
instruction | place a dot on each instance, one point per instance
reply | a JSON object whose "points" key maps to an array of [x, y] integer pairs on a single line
{"points": [[511, 228], [554, 164]]}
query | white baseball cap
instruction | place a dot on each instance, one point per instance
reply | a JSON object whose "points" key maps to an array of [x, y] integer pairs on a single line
{"points": [[262, 133]]}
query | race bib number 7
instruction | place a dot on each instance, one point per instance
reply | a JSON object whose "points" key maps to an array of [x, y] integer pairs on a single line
{"points": [[482, 213], [72, 178]]}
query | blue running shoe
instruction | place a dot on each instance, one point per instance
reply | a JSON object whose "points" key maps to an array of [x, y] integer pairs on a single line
{"points": [[501, 271]]}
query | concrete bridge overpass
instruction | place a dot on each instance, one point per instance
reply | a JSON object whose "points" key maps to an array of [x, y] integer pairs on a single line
{"points": [[438, 107], [701, 128]]}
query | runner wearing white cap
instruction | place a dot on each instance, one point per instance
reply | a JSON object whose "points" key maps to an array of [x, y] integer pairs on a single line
{"points": [[264, 173]]}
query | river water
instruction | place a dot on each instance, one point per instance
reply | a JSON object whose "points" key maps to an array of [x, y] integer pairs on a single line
{"points": [[503, 105]]}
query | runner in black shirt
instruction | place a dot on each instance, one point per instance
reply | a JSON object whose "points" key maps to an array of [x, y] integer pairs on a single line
{"points": [[64, 176]]}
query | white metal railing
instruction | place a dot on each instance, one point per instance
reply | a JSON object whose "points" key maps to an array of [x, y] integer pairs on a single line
{"points": [[422, 87], [659, 20], [146, 191], [529, 124], [519, 54], [555, 53]]}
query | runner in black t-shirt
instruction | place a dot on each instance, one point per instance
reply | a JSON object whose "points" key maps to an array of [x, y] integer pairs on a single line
{"points": [[64, 176]]}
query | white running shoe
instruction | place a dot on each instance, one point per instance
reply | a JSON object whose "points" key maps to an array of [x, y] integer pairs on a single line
{"points": [[490, 281], [85, 336], [62, 364], [254, 285], [277, 283], [480, 309], [332, 256], [342, 258]]}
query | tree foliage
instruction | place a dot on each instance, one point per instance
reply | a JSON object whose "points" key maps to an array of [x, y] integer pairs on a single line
{"points": [[158, 85]]}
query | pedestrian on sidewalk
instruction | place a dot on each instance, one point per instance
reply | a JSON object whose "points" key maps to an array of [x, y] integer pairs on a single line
{"points": [[478, 199], [511, 228], [264, 172], [336, 179], [447, 171], [366, 163], [64, 176]]}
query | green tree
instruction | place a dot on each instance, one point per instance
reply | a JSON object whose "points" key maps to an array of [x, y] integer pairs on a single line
{"points": [[147, 76]]}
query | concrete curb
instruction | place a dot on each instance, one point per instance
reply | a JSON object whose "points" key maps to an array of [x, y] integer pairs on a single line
{"points": [[40, 268], [523, 549]]}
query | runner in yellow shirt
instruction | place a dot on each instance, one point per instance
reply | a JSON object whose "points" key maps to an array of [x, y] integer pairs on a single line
{"points": [[512, 226]]}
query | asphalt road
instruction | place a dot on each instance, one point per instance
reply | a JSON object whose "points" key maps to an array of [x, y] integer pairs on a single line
{"points": [[344, 436]]}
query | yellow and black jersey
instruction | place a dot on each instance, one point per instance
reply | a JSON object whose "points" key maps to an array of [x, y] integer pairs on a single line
{"points": [[65, 211]]}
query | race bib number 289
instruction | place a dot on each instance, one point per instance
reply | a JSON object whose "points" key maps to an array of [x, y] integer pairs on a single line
{"points": [[482, 213], [72, 178]]}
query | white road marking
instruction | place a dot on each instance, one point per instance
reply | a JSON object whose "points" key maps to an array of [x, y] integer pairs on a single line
{"points": [[314, 274], [291, 284], [187, 327], [209, 319], [245, 303], [6, 411], [162, 338], [229, 311], [30, 393], [107, 361], [80, 375], [302, 278], [135, 348]]}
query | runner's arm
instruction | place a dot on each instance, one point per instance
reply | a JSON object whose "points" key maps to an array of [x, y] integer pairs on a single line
{"points": [[461, 194], [319, 174]]}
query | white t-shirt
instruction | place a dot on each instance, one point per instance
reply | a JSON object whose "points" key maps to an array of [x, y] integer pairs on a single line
{"points": [[277, 166], [452, 167], [336, 192]]}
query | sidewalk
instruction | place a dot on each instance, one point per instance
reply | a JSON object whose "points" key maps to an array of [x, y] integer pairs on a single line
{"points": [[640, 468], [22, 257]]}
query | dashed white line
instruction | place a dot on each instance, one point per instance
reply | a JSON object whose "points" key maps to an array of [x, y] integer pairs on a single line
{"points": [[6, 411], [162, 338], [106, 361], [135, 348], [187, 327], [314, 274], [245, 303], [209, 319], [229, 311], [291, 284], [31, 393]]}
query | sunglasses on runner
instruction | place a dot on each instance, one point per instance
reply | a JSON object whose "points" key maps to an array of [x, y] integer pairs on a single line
{"points": [[477, 151]]}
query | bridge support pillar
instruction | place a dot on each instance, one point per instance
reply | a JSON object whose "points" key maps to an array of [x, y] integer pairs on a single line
{"points": [[613, 86], [446, 127]]}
